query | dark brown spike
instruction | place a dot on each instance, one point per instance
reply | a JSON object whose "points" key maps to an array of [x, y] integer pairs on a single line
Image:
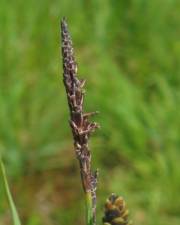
{"points": [[80, 125]]}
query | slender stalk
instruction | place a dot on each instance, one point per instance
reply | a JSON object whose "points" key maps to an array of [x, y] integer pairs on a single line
{"points": [[89, 207], [81, 127]]}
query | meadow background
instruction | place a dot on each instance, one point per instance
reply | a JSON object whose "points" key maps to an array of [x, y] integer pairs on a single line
{"points": [[129, 52]]}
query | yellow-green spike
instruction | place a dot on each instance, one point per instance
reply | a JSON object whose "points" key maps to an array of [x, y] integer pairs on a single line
{"points": [[116, 212]]}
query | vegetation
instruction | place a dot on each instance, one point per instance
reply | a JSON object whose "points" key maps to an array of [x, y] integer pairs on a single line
{"points": [[12, 206], [130, 53]]}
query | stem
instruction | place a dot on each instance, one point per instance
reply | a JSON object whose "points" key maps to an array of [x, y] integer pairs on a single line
{"points": [[89, 211]]}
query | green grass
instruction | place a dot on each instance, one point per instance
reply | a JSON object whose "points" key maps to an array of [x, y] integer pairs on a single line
{"points": [[129, 52], [15, 216]]}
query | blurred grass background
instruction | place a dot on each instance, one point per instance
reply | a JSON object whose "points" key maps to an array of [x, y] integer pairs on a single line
{"points": [[129, 52]]}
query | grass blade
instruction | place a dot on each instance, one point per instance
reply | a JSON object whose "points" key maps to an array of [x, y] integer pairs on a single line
{"points": [[15, 216]]}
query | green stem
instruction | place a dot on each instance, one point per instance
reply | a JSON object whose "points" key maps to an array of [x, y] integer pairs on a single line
{"points": [[89, 211]]}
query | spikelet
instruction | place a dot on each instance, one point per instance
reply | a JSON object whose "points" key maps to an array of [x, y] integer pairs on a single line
{"points": [[116, 212]]}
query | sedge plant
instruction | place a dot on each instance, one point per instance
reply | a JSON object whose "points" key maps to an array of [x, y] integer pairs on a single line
{"points": [[116, 212]]}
